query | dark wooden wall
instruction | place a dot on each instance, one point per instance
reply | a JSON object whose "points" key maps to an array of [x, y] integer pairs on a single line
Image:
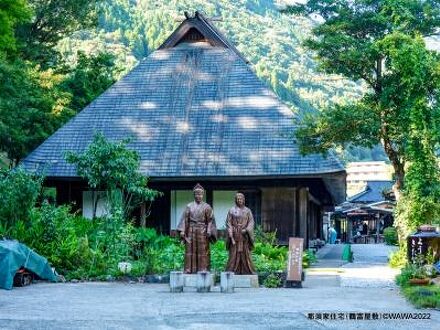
{"points": [[291, 207]]}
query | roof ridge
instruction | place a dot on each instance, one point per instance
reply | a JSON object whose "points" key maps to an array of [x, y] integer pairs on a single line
{"points": [[198, 21]]}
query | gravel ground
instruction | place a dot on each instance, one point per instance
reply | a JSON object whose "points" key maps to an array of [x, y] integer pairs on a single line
{"points": [[152, 306], [369, 267]]}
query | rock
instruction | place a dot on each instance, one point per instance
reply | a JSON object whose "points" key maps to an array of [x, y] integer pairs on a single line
{"points": [[74, 281], [436, 281]]}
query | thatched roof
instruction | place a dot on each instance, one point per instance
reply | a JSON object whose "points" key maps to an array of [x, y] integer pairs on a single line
{"points": [[193, 109]]}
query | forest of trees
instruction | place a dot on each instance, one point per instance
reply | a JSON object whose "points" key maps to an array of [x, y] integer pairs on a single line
{"points": [[60, 55]]}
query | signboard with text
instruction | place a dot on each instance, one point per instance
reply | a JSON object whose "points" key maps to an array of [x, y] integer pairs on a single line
{"points": [[294, 263]]}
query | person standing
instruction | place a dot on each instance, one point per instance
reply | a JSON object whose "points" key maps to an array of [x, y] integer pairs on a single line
{"points": [[197, 230], [240, 241], [332, 235]]}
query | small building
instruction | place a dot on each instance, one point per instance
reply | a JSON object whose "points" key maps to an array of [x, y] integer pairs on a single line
{"points": [[197, 113], [364, 216]]}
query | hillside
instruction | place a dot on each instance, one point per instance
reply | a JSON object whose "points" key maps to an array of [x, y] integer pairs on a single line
{"points": [[271, 41]]}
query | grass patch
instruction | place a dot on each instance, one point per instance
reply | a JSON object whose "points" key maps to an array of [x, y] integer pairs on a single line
{"points": [[423, 296]]}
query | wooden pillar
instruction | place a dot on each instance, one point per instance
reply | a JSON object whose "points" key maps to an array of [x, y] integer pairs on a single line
{"points": [[295, 224], [349, 230], [303, 208]]}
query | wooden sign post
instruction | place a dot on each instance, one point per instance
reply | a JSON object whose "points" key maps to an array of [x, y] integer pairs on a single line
{"points": [[294, 263]]}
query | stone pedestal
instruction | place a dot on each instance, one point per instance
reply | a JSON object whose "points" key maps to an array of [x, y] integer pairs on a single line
{"points": [[246, 281], [204, 281], [176, 281], [227, 283], [190, 280]]}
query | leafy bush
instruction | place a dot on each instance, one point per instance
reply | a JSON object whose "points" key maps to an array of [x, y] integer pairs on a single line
{"points": [[19, 192], [390, 236], [112, 167], [160, 254], [398, 258], [423, 296], [269, 258], [219, 256], [308, 258], [273, 280]]}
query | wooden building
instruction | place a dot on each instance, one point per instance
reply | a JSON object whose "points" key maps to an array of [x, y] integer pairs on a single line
{"points": [[364, 216], [197, 112]]}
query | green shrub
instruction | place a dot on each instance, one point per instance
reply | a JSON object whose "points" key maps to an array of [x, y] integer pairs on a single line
{"points": [[398, 258], [19, 192], [219, 256], [269, 258], [273, 280], [390, 236], [265, 237], [308, 258], [423, 296]]}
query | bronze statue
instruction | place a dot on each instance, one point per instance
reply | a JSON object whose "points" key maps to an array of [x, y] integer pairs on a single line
{"points": [[197, 229], [240, 242]]}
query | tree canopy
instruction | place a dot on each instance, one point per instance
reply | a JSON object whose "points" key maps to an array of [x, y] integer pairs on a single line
{"points": [[39, 91], [379, 42]]}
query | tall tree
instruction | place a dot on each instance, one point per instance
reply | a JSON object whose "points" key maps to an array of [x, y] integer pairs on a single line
{"points": [[12, 12], [371, 41], [91, 76], [32, 106], [36, 94], [53, 20]]}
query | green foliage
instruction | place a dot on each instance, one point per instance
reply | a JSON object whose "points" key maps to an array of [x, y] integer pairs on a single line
{"points": [[19, 192], [309, 258], [398, 258], [32, 106], [132, 30], [58, 235], [219, 256], [423, 296], [34, 99], [390, 236], [265, 237], [159, 254], [272, 281], [112, 167], [269, 258], [381, 43], [12, 12], [361, 42], [91, 76], [51, 21], [411, 271], [420, 268]]}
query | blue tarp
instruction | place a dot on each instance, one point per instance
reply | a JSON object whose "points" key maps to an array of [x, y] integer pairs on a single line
{"points": [[14, 255]]}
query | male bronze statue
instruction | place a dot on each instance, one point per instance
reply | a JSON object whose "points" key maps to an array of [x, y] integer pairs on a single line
{"points": [[197, 229], [240, 241]]}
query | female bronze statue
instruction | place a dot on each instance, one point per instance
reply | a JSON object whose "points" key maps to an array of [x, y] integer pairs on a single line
{"points": [[240, 242], [197, 229]]}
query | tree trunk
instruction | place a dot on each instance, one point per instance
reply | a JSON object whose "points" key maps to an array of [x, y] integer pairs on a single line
{"points": [[396, 161], [143, 215]]}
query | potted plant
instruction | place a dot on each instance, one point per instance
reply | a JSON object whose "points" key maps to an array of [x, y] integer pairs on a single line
{"points": [[418, 272]]}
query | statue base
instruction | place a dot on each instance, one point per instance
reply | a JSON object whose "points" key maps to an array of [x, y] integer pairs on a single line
{"points": [[293, 284], [190, 280], [246, 281]]}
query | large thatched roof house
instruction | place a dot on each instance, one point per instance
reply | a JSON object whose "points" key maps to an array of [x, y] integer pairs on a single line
{"points": [[196, 112]]}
